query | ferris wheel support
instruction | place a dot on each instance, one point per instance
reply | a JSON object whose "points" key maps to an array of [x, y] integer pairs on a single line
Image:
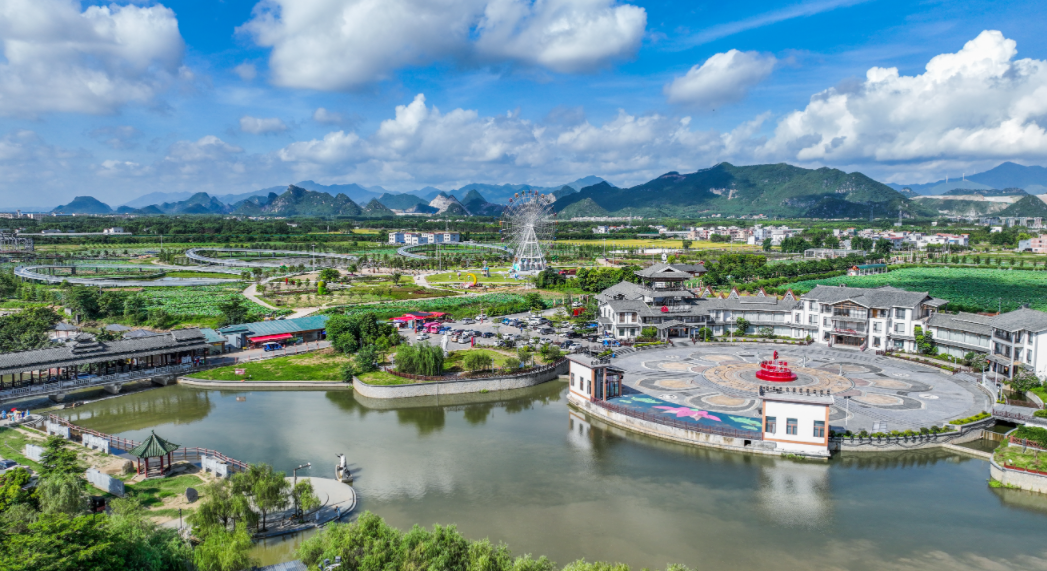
{"points": [[528, 223]]}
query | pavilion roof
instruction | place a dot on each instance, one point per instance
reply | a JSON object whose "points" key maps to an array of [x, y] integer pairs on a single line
{"points": [[153, 446], [85, 349]]}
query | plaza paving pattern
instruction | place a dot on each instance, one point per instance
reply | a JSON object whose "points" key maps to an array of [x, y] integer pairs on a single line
{"points": [[644, 403], [871, 392]]}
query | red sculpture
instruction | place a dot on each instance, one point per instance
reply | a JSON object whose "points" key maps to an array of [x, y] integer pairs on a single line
{"points": [[775, 371]]}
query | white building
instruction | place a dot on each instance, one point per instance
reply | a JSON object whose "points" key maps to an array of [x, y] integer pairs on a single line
{"points": [[416, 238], [797, 422], [594, 379], [113, 230]]}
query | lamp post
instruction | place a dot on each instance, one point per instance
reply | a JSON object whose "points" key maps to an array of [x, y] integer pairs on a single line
{"points": [[295, 474]]}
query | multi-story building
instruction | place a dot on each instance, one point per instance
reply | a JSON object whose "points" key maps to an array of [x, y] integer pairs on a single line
{"points": [[416, 238], [1013, 339], [1037, 245]]}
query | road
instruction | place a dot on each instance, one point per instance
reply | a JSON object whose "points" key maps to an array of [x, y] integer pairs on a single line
{"points": [[494, 327]]}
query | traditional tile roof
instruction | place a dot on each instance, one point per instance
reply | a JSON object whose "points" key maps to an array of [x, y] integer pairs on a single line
{"points": [[117, 327], [140, 333], [63, 326], [881, 298], [662, 271], [967, 322], [212, 336], [1021, 319], [153, 446], [84, 349]]}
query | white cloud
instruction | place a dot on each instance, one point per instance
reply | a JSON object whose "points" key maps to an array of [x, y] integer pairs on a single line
{"points": [[562, 35], [322, 115], [246, 71], [323, 44], [976, 104], [723, 78], [261, 126], [59, 58]]}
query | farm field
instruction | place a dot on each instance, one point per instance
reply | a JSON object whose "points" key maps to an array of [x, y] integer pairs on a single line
{"points": [[966, 289], [653, 243], [193, 301], [457, 307]]}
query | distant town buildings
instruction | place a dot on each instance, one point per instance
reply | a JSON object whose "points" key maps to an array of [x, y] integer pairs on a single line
{"points": [[417, 238], [1037, 245]]}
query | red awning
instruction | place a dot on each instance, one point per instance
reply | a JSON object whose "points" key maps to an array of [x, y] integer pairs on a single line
{"points": [[264, 338]]}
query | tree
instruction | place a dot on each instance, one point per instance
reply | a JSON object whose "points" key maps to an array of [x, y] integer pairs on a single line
{"points": [[477, 361], [221, 507], [511, 364], [420, 359], [268, 490], [704, 334], [883, 247], [766, 332], [649, 332], [366, 359], [548, 279], [134, 309], [224, 551], [57, 458], [396, 278], [61, 542], [534, 301], [686, 244], [234, 310], [329, 275], [62, 493], [742, 325], [1024, 380], [27, 329], [925, 341], [767, 244]]}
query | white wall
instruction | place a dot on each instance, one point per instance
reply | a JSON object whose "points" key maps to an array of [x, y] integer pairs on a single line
{"points": [[805, 414]]}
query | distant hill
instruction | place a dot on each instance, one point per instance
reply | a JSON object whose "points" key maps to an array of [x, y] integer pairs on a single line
{"points": [[297, 201], [401, 201], [960, 207], [84, 205], [199, 203], [376, 209], [1032, 179], [772, 190], [1028, 206], [581, 208], [477, 205], [448, 204]]}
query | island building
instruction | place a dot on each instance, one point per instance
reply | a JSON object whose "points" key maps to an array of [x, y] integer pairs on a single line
{"points": [[417, 238], [594, 379], [797, 422]]}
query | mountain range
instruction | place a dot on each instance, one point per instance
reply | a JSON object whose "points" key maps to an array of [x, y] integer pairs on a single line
{"points": [[1033, 180], [778, 190]]}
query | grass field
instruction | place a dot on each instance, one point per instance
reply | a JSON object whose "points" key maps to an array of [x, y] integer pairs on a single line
{"points": [[383, 378], [496, 277], [968, 289], [151, 493], [323, 365], [455, 361]]}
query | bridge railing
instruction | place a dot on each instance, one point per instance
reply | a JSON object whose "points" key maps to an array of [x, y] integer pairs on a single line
{"points": [[58, 386]]}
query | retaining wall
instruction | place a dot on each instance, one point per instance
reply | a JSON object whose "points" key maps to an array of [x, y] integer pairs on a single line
{"points": [[1024, 480], [666, 432], [970, 432], [92, 441], [459, 386], [233, 385]]}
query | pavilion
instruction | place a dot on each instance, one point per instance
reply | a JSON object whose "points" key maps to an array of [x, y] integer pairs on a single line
{"points": [[153, 447]]}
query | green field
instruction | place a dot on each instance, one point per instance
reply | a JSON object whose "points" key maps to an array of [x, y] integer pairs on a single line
{"points": [[383, 378], [323, 365], [967, 289]]}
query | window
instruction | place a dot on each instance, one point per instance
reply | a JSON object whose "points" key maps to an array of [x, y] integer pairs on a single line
{"points": [[877, 326], [876, 341], [790, 426], [1017, 354], [770, 425], [825, 321], [797, 318], [899, 328], [812, 319], [572, 380], [814, 306], [819, 429], [589, 387], [899, 313]]}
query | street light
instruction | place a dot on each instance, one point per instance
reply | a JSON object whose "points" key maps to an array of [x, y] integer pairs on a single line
{"points": [[295, 474]]}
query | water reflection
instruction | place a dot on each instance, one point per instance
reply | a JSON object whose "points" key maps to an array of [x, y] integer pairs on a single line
{"points": [[143, 410], [894, 460], [796, 493]]}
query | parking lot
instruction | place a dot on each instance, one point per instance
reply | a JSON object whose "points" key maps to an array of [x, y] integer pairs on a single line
{"points": [[497, 327]]}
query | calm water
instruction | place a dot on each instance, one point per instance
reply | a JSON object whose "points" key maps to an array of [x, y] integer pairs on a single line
{"points": [[522, 469]]}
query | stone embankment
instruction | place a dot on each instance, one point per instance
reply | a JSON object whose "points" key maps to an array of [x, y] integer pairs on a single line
{"points": [[460, 385]]}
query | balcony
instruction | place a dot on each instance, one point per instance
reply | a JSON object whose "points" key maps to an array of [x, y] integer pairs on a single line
{"points": [[853, 326], [852, 313]]}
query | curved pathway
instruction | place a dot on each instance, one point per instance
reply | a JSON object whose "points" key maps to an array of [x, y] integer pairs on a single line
{"points": [[193, 254], [30, 273]]}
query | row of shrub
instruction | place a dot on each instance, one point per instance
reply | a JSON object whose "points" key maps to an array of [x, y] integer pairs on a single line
{"points": [[922, 431], [981, 415], [1033, 434]]}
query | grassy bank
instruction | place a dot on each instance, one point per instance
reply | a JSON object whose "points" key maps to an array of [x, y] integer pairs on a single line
{"points": [[383, 378], [323, 365]]}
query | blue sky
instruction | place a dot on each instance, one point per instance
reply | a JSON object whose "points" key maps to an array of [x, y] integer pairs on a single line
{"points": [[119, 100]]}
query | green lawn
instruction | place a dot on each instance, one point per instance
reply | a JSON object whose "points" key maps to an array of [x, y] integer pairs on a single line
{"points": [[1013, 456], [455, 361], [153, 491], [12, 442], [383, 378], [323, 365]]}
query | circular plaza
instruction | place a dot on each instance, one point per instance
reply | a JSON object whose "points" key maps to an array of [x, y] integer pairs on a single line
{"points": [[873, 393]]}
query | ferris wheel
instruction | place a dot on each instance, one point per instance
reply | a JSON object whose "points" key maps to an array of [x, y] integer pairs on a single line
{"points": [[528, 226]]}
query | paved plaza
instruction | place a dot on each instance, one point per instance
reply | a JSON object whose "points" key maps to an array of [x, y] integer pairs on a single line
{"points": [[872, 393]]}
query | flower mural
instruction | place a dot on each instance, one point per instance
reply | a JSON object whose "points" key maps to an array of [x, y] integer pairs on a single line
{"points": [[684, 412]]}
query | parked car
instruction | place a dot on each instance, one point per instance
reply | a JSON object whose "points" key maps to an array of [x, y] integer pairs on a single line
{"points": [[488, 334], [422, 337], [611, 343], [272, 347], [547, 331], [467, 321], [481, 316], [6, 465]]}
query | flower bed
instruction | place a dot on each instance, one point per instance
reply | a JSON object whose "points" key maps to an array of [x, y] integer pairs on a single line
{"points": [[980, 416]]}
